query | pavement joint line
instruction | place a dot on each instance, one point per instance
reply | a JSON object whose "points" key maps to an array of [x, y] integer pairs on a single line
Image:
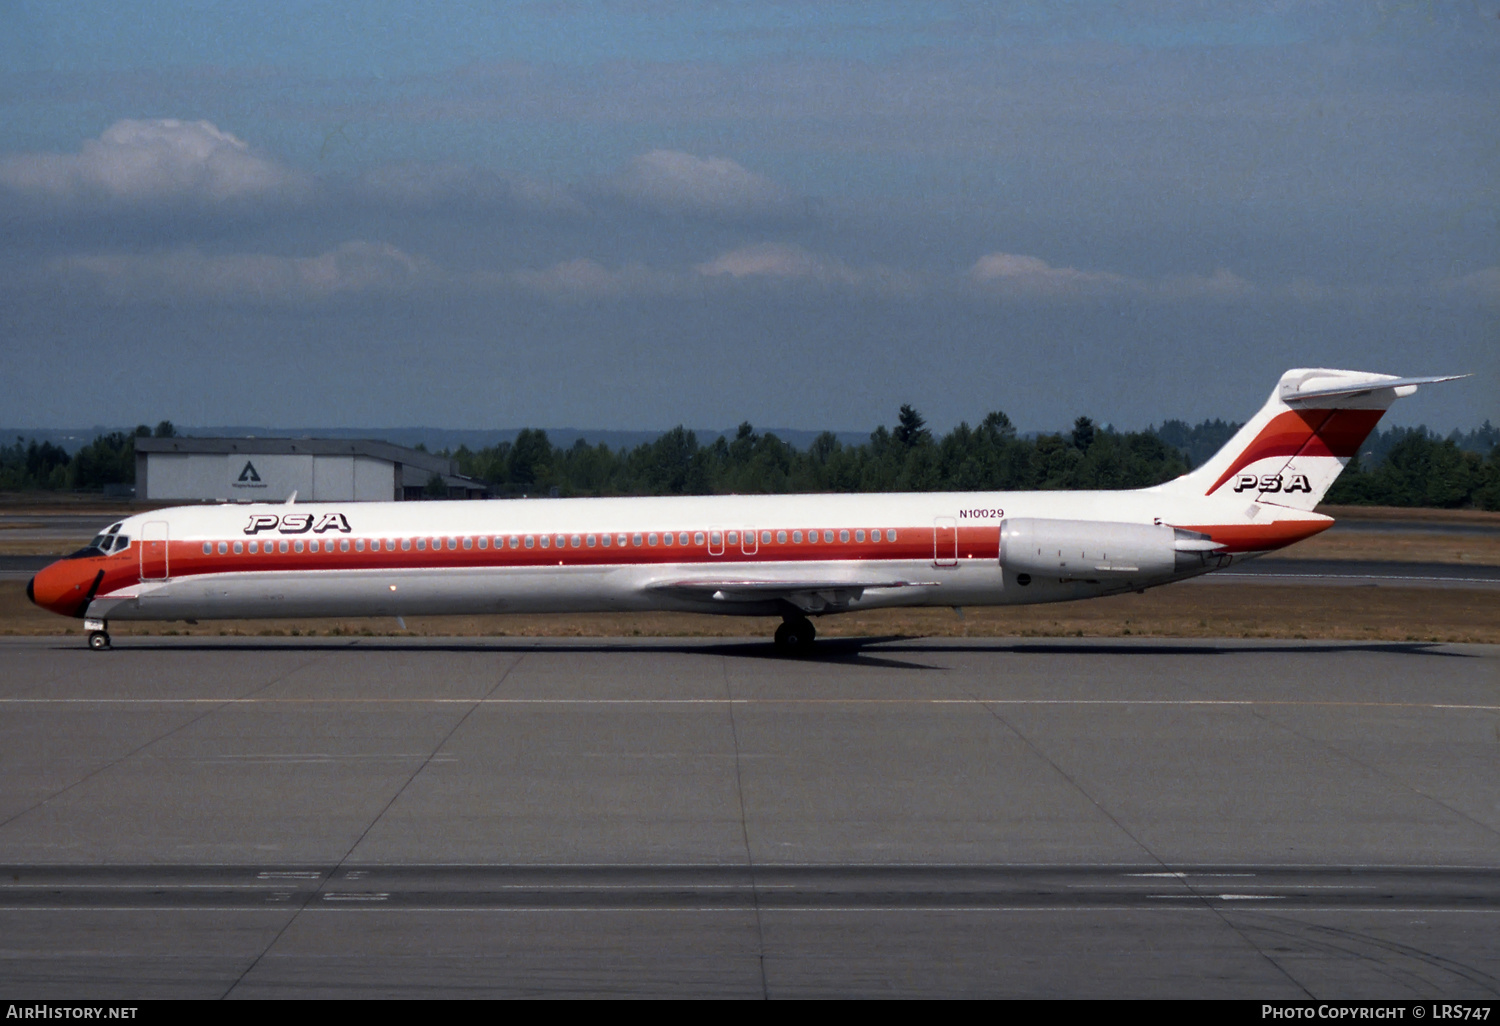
{"points": [[740, 909], [1169, 702], [1360, 577], [895, 866]]}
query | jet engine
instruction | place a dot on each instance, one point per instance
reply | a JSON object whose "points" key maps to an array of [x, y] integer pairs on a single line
{"points": [[1099, 549]]}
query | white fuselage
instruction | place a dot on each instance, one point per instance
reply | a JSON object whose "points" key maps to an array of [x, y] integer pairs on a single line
{"points": [[748, 555]]}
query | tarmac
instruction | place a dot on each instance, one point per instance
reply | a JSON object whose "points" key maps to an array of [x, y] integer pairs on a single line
{"points": [[187, 817]]}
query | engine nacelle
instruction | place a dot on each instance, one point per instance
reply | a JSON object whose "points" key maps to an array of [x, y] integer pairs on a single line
{"points": [[1099, 549]]}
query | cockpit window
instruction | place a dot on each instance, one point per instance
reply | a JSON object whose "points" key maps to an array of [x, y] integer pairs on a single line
{"points": [[122, 542]]}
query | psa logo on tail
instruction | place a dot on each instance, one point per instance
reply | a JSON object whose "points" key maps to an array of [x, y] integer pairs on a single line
{"points": [[1272, 483]]}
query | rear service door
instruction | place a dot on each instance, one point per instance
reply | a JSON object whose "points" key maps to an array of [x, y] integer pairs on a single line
{"points": [[154, 551], [945, 542]]}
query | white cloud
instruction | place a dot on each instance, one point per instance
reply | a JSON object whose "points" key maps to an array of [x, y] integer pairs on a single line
{"points": [[671, 182], [1029, 275], [355, 267], [152, 161], [1012, 274], [1222, 284], [770, 263], [778, 260]]}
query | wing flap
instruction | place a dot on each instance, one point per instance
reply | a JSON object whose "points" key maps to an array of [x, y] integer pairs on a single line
{"points": [[811, 594]]}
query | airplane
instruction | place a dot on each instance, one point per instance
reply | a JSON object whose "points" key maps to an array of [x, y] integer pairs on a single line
{"points": [[793, 556]]}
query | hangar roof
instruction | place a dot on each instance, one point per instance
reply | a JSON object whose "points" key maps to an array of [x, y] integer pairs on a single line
{"points": [[301, 447]]}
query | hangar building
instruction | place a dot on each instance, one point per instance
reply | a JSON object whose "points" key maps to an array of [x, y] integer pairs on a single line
{"points": [[270, 469]]}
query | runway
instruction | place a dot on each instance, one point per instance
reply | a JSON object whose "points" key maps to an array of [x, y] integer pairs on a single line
{"points": [[407, 817]]}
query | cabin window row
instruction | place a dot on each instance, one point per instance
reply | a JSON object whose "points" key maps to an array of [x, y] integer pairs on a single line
{"points": [[547, 541]]}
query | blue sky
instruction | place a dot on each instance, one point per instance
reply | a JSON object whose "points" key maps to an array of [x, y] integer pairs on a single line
{"points": [[630, 215]]}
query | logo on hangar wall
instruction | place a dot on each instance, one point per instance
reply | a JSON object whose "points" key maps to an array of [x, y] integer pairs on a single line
{"points": [[249, 477]]}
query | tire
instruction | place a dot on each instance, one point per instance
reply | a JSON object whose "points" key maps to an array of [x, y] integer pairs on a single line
{"points": [[796, 636], [98, 641]]}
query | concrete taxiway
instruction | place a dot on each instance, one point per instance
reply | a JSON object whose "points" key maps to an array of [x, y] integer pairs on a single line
{"points": [[251, 818]]}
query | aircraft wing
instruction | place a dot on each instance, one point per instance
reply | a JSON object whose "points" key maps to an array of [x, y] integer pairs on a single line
{"points": [[810, 594]]}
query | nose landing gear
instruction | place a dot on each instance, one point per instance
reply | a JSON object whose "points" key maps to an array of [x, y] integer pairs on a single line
{"points": [[795, 635], [98, 636]]}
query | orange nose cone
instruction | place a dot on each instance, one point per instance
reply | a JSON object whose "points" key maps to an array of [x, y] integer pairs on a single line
{"points": [[66, 586]]}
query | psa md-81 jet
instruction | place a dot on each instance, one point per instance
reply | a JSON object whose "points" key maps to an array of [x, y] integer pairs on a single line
{"points": [[793, 556]]}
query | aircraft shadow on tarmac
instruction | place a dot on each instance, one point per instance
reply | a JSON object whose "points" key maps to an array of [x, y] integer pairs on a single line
{"points": [[845, 651]]}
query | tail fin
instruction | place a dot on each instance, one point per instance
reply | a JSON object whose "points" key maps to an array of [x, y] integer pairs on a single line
{"points": [[1290, 453]]}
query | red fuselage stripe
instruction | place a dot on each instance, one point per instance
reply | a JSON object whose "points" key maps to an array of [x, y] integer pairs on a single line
{"points": [[187, 558]]}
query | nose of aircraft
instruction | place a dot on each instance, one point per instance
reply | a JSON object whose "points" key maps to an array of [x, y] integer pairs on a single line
{"points": [[65, 587]]}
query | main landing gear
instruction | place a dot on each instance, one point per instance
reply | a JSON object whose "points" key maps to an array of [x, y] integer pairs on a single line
{"points": [[795, 635], [98, 636]]}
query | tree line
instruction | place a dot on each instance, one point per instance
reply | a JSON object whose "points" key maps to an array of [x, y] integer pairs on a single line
{"points": [[1398, 467], [108, 460]]}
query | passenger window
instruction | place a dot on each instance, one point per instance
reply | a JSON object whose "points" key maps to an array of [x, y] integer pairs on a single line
{"points": [[593, 540], [796, 537], [890, 535], [546, 541], [669, 539], [530, 541], [859, 535], [562, 541], [515, 540], [452, 543], [359, 545], [484, 543], [781, 537], [765, 537], [635, 540], [312, 546], [469, 543], [577, 541], [223, 548], [607, 539], [208, 548], [734, 538], [239, 547], [843, 536], [254, 548], [282, 546], [297, 545], [343, 544], [650, 539], [622, 540]]}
